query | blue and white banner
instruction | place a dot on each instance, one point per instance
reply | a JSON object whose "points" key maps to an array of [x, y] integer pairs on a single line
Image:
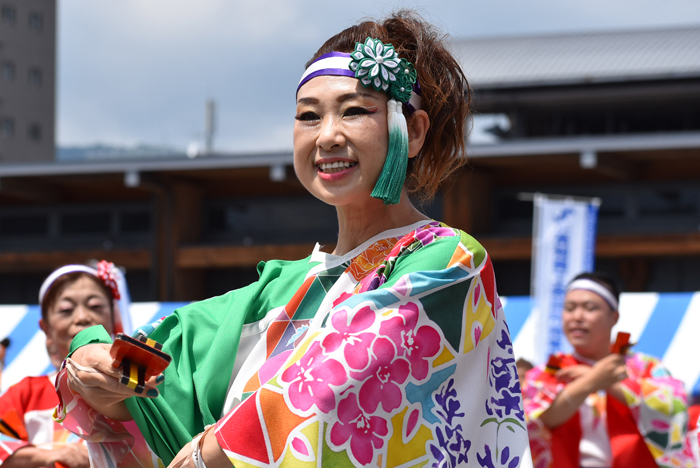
{"points": [[27, 354], [563, 245], [663, 325]]}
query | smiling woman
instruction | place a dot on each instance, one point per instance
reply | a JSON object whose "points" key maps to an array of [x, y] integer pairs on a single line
{"points": [[72, 298], [390, 351]]}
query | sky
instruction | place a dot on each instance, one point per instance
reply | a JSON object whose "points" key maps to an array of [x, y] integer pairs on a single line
{"points": [[138, 72]]}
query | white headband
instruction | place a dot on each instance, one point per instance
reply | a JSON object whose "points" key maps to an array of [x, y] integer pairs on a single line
{"points": [[338, 64], [64, 270], [590, 285], [123, 303]]}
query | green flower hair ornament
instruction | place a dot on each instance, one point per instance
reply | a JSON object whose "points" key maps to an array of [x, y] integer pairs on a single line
{"points": [[378, 65]]}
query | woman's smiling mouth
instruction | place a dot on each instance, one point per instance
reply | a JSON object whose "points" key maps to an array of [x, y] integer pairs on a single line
{"points": [[335, 166]]}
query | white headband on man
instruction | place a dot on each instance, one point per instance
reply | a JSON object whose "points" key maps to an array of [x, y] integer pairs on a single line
{"points": [[590, 285]]}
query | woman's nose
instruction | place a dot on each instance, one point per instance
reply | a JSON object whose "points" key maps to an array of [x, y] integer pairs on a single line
{"points": [[82, 315], [330, 135]]}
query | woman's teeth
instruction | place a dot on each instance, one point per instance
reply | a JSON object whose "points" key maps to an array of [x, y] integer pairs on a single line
{"points": [[337, 166]]}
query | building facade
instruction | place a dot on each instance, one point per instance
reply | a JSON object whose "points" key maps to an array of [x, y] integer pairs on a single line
{"points": [[27, 80], [612, 115]]}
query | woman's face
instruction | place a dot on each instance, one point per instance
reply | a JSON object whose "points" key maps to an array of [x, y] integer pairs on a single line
{"points": [[588, 321], [80, 305], [340, 139]]}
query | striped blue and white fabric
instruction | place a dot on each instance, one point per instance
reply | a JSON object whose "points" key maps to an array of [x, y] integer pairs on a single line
{"points": [[27, 352], [663, 325]]}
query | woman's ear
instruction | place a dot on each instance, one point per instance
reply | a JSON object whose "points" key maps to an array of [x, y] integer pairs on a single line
{"points": [[418, 125], [44, 326]]}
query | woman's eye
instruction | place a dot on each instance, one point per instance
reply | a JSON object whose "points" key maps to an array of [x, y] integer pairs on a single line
{"points": [[306, 116], [356, 111], [65, 311]]}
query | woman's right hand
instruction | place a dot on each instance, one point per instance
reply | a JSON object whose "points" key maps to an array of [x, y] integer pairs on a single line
{"points": [[607, 372], [91, 375], [71, 455]]}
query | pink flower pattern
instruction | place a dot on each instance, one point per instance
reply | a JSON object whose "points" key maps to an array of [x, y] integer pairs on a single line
{"points": [[310, 379], [415, 345], [387, 372], [356, 351], [364, 432]]}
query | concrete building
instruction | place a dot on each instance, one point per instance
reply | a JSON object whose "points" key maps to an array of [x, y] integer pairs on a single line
{"points": [[27, 80]]}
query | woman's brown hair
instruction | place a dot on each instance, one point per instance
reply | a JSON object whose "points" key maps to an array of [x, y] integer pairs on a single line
{"points": [[445, 93], [62, 282]]}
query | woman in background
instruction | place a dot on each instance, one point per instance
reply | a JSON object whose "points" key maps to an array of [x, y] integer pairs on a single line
{"points": [[603, 409], [72, 298]]}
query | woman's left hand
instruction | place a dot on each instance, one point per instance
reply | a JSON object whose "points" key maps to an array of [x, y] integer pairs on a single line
{"points": [[205, 449]]}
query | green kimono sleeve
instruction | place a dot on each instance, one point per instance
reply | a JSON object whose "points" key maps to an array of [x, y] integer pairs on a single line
{"points": [[94, 334], [202, 339]]}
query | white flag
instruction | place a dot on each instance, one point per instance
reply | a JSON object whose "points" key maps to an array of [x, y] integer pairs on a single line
{"points": [[563, 245]]}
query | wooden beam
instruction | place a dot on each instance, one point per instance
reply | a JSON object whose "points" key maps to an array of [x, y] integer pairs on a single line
{"points": [[203, 257], [188, 284], [29, 190], [508, 248], [467, 201], [648, 246], [606, 246], [137, 259], [239, 256]]}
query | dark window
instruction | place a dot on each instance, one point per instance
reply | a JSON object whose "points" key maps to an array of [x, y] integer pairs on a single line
{"points": [[7, 127], [35, 76], [7, 71], [34, 132], [132, 223], [36, 21], [24, 225], [8, 14], [85, 223]]}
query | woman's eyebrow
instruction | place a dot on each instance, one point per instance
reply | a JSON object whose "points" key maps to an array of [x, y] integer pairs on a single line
{"points": [[342, 98], [307, 100], [351, 96]]}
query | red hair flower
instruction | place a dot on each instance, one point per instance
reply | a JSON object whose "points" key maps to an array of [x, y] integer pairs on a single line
{"points": [[105, 271]]}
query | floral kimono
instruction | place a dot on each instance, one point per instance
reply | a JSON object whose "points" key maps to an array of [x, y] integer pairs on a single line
{"points": [[396, 354], [647, 431]]}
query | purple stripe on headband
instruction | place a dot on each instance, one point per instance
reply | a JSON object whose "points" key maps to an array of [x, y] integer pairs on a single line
{"points": [[327, 71], [416, 88]]}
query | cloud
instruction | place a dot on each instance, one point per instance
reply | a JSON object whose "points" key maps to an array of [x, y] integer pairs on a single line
{"points": [[140, 71]]}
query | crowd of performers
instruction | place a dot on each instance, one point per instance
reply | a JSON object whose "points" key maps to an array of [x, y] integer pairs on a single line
{"points": [[390, 351]]}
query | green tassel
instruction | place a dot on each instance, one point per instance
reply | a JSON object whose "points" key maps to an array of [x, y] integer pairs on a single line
{"points": [[390, 183]]}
